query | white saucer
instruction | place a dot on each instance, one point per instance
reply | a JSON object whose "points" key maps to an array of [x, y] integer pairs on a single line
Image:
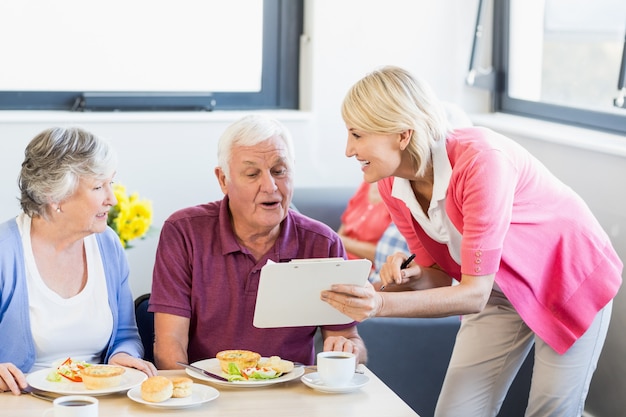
{"points": [[313, 380]]}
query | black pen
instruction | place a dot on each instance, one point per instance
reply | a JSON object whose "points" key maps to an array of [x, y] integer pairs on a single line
{"points": [[402, 266]]}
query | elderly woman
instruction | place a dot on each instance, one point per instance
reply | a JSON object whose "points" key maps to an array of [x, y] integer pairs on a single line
{"points": [[533, 265], [63, 273]]}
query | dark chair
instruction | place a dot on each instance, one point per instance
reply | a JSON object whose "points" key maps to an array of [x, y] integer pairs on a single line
{"points": [[411, 356], [145, 324], [323, 204]]}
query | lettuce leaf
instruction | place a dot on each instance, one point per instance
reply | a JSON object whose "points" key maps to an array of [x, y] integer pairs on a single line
{"points": [[53, 376], [235, 374]]}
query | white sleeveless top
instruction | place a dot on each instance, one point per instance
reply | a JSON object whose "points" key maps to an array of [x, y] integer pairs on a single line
{"points": [[78, 327]]}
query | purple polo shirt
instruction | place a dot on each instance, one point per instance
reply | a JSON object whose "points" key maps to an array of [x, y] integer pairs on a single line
{"points": [[201, 272]]}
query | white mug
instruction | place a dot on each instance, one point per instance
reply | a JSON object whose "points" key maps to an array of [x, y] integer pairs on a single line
{"points": [[336, 369], [73, 406]]}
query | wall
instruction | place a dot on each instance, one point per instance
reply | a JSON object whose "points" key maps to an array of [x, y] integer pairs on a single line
{"points": [[169, 157]]}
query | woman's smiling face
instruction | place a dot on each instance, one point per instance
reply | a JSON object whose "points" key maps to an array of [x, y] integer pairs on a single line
{"points": [[379, 154]]}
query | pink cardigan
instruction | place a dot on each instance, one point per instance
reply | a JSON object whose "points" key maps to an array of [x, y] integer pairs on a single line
{"points": [[551, 257]]}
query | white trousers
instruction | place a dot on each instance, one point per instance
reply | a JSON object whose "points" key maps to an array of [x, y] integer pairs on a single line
{"points": [[491, 347]]}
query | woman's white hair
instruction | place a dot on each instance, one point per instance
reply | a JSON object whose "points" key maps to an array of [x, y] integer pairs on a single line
{"points": [[54, 162]]}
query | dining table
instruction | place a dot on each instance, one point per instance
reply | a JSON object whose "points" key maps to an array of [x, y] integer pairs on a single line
{"points": [[287, 399]]}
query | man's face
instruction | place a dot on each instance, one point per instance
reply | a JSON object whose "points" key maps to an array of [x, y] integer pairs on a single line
{"points": [[260, 187]]}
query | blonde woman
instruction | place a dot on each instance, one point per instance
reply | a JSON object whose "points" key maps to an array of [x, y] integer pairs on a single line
{"points": [[533, 265]]}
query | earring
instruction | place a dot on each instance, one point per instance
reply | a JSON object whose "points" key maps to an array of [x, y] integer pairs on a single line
{"points": [[58, 209]]}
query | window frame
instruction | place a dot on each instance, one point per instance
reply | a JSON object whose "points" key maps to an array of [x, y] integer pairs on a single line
{"points": [[282, 28], [502, 102]]}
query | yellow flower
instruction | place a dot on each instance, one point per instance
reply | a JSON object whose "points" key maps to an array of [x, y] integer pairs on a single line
{"points": [[131, 217]]}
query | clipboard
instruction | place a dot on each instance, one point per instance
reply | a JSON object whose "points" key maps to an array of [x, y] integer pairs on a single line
{"points": [[289, 293]]}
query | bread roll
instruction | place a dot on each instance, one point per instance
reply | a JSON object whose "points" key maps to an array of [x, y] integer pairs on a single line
{"points": [[242, 358], [97, 377], [157, 389], [182, 387]]}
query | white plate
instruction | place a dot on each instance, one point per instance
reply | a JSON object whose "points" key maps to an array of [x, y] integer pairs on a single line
{"points": [[199, 394], [131, 378], [313, 380], [213, 365]]}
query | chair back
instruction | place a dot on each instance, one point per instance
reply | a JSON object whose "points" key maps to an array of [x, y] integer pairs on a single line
{"points": [[411, 356], [145, 324]]}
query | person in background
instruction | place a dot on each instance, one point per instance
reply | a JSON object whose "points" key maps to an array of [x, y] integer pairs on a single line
{"points": [[209, 257], [63, 273], [390, 242], [363, 223], [534, 266]]}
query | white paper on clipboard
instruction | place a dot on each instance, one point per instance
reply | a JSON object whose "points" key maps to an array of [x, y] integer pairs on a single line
{"points": [[289, 293]]}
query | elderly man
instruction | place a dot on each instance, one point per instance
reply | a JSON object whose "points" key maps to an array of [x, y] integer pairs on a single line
{"points": [[210, 256]]}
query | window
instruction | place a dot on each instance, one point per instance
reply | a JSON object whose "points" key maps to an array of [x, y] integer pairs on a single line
{"points": [[559, 60], [150, 54]]}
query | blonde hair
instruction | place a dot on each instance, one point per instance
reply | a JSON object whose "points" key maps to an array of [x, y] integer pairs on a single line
{"points": [[392, 100]]}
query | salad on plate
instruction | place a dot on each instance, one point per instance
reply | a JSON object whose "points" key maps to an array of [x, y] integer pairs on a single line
{"points": [[252, 372], [68, 370]]}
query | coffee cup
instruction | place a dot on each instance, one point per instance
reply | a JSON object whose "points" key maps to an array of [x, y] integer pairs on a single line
{"points": [[73, 406], [336, 369]]}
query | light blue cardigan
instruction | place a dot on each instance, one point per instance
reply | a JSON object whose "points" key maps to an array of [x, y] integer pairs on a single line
{"points": [[16, 340]]}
